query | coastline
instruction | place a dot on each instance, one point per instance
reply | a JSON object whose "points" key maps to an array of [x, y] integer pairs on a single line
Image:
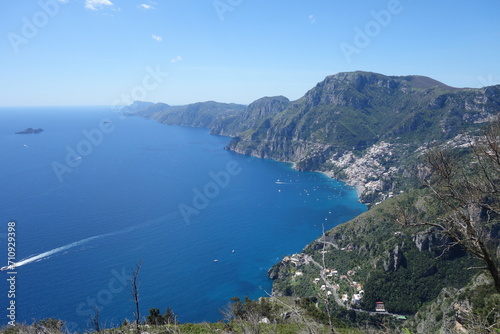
{"points": [[294, 223]]}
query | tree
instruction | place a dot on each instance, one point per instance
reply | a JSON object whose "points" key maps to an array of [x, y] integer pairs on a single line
{"points": [[469, 190], [134, 291], [49, 325], [236, 310], [170, 317], [155, 317]]}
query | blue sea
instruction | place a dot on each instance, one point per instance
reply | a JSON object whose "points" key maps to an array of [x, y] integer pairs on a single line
{"points": [[96, 192]]}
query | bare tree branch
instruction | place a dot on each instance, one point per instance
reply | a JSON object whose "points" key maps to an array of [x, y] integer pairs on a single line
{"points": [[469, 192], [134, 291]]}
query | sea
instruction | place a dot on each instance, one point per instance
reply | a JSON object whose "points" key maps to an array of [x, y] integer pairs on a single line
{"points": [[97, 194]]}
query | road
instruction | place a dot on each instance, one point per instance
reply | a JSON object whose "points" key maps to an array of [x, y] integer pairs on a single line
{"points": [[308, 259]]}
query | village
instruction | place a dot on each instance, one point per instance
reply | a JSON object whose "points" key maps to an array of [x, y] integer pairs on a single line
{"points": [[343, 288], [369, 173]]}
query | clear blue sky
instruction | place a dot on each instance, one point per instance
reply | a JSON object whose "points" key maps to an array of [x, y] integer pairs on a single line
{"points": [[98, 52]]}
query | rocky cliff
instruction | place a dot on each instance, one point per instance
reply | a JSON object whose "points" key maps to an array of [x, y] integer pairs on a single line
{"points": [[354, 126], [370, 131], [256, 114], [366, 129], [372, 258]]}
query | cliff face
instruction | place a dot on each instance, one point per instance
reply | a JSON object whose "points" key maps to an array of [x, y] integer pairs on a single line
{"points": [[471, 309], [355, 110], [257, 113], [363, 128], [370, 131], [376, 259], [354, 126]]}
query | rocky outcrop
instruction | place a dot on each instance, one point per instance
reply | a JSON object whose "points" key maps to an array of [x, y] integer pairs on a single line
{"points": [[430, 240], [279, 270], [453, 311], [253, 116], [360, 127], [393, 259]]}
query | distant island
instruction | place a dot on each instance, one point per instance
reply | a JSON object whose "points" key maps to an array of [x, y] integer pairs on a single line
{"points": [[423, 156], [29, 131]]}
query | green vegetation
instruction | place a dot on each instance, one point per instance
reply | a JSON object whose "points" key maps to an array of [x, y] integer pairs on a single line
{"points": [[363, 251], [345, 113], [418, 281], [352, 111], [156, 318], [411, 250]]}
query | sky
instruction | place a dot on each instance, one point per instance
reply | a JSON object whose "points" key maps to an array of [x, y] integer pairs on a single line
{"points": [[109, 52]]}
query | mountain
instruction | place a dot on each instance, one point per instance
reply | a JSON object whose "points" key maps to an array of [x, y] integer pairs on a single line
{"points": [[201, 114], [369, 130], [253, 116], [137, 106], [359, 127], [416, 273], [405, 268], [372, 274], [354, 111]]}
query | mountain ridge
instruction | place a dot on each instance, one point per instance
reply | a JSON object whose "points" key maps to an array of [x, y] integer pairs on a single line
{"points": [[371, 131], [354, 126]]}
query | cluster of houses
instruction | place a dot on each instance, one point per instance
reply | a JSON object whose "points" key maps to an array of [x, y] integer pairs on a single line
{"points": [[330, 273], [367, 173], [300, 259], [323, 287], [355, 298]]}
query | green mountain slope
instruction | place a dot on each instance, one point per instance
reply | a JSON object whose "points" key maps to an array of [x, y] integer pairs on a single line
{"points": [[201, 114], [404, 268], [363, 128], [371, 131]]}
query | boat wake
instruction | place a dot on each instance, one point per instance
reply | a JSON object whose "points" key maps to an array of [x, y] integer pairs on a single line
{"points": [[66, 247], [45, 255]]}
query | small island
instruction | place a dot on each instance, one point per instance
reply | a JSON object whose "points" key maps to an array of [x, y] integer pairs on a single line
{"points": [[29, 131]]}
